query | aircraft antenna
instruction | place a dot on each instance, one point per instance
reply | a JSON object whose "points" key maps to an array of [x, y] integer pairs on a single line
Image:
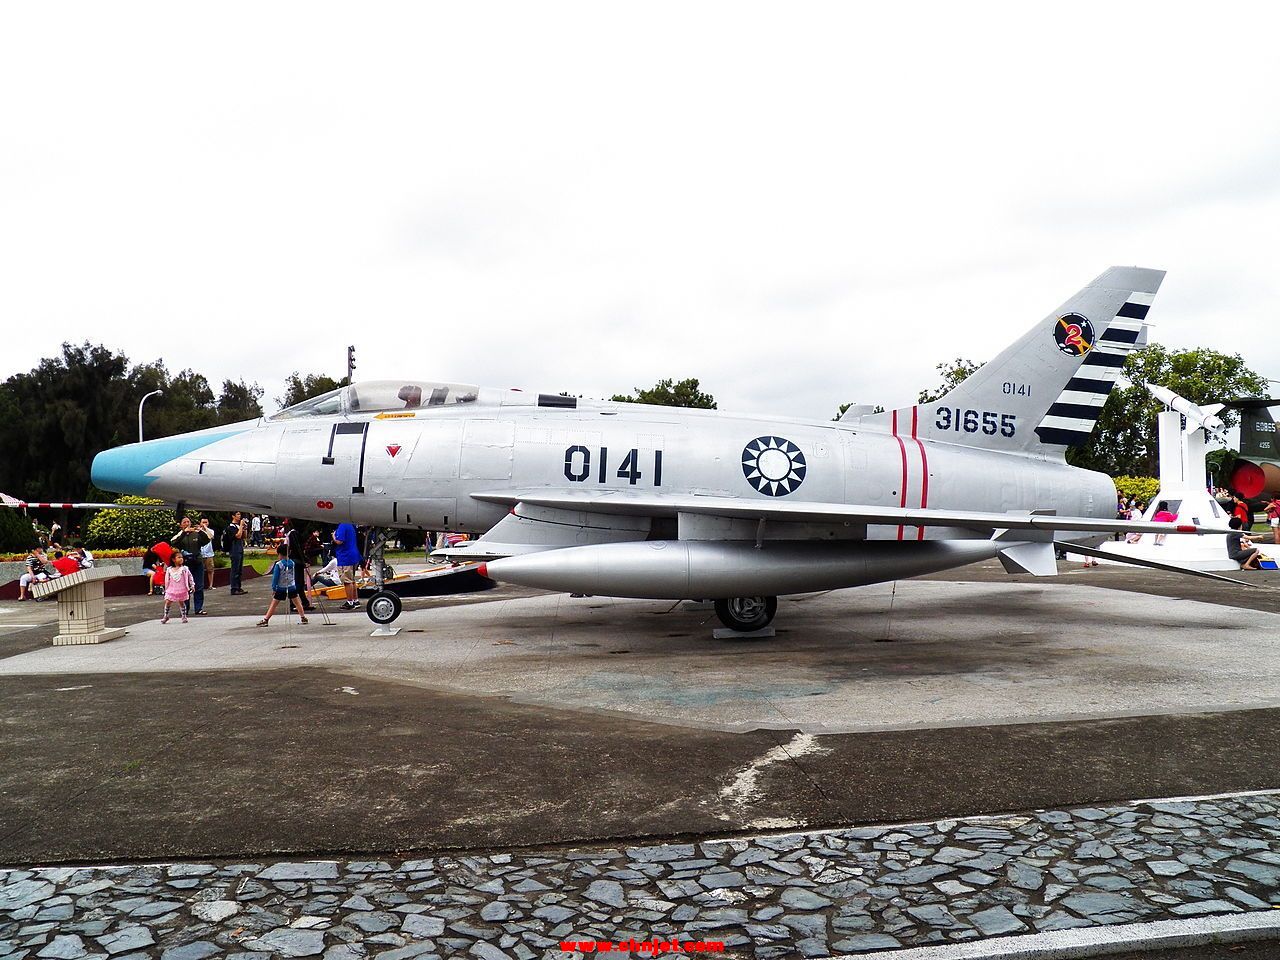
{"points": [[888, 623]]}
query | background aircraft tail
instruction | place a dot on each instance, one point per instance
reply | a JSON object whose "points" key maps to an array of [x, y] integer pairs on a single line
{"points": [[1043, 393]]}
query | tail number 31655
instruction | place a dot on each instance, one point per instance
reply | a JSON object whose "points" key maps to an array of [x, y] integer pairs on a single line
{"points": [[977, 421]]}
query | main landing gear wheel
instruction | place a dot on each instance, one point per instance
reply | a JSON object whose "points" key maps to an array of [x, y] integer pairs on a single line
{"points": [[745, 613], [383, 607]]}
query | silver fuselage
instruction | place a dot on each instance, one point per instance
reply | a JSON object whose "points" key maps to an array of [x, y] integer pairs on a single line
{"points": [[420, 468]]}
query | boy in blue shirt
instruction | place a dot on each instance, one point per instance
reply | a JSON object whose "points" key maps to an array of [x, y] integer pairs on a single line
{"points": [[347, 550], [284, 586]]}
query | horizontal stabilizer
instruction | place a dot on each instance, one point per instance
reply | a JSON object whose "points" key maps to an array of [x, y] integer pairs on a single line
{"points": [[1142, 562]]}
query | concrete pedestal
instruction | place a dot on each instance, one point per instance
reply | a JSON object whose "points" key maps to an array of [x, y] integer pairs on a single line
{"points": [[1183, 486], [82, 611], [724, 633]]}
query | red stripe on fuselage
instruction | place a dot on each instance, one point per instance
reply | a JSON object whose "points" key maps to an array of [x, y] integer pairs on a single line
{"points": [[924, 468], [902, 448]]}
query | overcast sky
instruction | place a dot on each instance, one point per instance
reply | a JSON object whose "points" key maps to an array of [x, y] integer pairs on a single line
{"points": [[800, 204]]}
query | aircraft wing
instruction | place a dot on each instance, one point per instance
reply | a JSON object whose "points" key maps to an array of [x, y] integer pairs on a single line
{"points": [[627, 504]]}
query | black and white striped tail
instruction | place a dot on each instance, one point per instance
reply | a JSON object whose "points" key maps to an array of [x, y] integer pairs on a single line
{"points": [[1072, 417]]}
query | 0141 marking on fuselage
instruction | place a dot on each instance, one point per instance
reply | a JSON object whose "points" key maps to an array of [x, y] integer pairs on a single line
{"points": [[578, 459]]}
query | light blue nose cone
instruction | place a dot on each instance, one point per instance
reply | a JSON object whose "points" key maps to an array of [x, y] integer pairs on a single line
{"points": [[132, 468]]}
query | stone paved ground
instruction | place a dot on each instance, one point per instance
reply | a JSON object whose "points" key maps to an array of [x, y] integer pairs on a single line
{"points": [[774, 896]]}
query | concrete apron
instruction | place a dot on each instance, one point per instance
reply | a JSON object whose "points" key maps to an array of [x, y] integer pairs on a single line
{"points": [[958, 655]]}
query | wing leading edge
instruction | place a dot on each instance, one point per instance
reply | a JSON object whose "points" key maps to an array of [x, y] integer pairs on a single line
{"points": [[739, 508]]}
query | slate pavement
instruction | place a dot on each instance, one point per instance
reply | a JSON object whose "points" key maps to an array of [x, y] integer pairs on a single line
{"points": [[804, 894]]}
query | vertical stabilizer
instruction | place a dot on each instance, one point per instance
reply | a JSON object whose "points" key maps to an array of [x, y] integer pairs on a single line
{"points": [[1043, 393]]}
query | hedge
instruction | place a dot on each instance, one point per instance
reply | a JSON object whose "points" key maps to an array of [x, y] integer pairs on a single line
{"points": [[1143, 488], [130, 528]]}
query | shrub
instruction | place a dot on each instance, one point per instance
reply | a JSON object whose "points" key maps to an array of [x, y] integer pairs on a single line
{"points": [[412, 540], [129, 528], [16, 532], [1143, 488]]}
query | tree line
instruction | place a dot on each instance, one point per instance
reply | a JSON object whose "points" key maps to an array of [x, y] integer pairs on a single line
{"points": [[55, 418], [1125, 441]]}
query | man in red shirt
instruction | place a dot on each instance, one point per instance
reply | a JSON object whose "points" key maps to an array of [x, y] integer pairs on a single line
{"points": [[64, 564], [1241, 509]]}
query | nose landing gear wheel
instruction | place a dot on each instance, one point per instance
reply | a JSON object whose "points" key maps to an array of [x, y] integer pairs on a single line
{"points": [[745, 613], [383, 607]]}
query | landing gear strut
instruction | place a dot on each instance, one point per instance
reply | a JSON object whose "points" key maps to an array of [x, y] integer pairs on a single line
{"points": [[384, 606], [747, 613]]}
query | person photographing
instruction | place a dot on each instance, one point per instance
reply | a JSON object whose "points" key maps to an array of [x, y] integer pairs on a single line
{"points": [[234, 538], [190, 541]]}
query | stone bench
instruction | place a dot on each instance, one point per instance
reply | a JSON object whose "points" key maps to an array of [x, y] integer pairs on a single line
{"points": [[82, 611]]}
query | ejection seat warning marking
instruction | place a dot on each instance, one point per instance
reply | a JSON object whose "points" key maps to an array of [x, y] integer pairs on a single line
{"points": [[344, 429], [577, 465], [336, 429], [364, 442]]}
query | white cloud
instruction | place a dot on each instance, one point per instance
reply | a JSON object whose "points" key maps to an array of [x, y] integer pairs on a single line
{"points": [[800, 205]]}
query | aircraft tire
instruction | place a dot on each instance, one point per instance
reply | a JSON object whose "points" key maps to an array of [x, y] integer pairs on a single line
{"points": [[383, 607], [747, 613]]}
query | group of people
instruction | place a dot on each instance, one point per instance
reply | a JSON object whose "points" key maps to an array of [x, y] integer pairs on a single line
{"points": [[1240, 546], [181, 568], [291, 580], [1131, 508], [41, 566]]}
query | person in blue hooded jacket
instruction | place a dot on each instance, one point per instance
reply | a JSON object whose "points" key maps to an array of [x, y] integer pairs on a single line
{"points": [[284, 586]]}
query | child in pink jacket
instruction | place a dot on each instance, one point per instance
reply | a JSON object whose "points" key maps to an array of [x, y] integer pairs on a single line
{"points": [[178, 586]]}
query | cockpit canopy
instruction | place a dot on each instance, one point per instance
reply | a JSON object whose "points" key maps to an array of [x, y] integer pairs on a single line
{"points": [[377, 396]]}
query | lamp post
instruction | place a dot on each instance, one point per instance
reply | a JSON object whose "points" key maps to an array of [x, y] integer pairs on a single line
{"points": [[153, 393]]}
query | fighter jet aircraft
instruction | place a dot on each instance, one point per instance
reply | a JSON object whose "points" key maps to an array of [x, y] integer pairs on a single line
{"points": [[632, 500]]}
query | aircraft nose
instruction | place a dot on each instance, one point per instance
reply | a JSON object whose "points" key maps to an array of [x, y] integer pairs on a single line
{"points": [[137, 467], [124, 469]]}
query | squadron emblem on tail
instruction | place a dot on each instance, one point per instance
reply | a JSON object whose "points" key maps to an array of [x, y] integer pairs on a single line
{"points": [[1074, 334]]}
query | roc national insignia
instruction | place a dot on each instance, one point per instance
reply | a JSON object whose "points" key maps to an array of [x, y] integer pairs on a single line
{"points": [[773, 465], [1074, 334]]}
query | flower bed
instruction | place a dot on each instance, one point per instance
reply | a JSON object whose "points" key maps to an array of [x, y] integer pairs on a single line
{"points": [[97, 554]]}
